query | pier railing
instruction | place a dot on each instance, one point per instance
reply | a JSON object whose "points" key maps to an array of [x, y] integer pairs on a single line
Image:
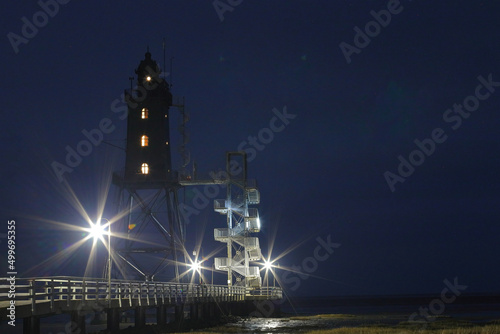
{"points": [[62, 289], [68, 289], [271, 293]]}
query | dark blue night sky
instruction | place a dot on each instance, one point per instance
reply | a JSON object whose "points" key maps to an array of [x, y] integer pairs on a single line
{"points": [[352, 114]]}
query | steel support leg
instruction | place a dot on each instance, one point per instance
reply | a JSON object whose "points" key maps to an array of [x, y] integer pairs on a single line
{"points": [[31, 325]]}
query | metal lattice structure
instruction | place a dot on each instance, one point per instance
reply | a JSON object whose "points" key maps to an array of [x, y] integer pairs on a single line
{"points": [[151, 225], [242, 221], [154, 232], [151, 222]]}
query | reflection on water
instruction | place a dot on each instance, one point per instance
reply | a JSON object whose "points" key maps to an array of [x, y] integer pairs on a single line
{"points": [[275, 325], [287, 325], [304, 324]]}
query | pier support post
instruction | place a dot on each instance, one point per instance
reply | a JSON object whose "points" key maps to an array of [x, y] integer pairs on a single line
{"points": [[31, 325], [223, 309], [161, 315], [112, 320], [77, 323], [205, 314], [179, 314], [209, 311], [193, 311], [140, 317], [217, 310]]}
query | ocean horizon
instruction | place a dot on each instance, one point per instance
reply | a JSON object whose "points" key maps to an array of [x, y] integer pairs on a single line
{"points": [[368, 304]]}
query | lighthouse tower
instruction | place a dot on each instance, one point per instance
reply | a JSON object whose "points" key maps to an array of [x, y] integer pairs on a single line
{"points": [[148, 134], [147, 196]]}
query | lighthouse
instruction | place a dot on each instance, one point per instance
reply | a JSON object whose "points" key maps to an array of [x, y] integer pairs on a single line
{"points": [[147, 187], [148, 157]]}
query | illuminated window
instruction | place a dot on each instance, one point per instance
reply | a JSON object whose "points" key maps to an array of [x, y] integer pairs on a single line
{"points": [[145, 168], [144, 141], [144, 114]]}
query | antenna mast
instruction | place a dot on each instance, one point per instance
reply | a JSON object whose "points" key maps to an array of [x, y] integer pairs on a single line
{"points": [[164, 65], [171, 75]]}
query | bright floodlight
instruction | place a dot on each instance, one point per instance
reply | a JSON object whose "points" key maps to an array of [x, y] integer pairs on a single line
{"points": [[148, 78], [96, 230], [267, 264], [195, 265]]}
